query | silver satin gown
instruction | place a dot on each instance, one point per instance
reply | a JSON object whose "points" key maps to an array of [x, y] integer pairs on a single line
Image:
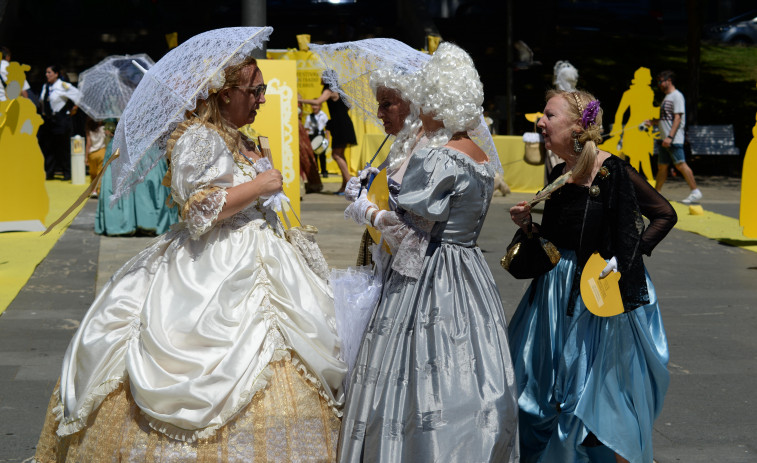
{"points": [[433, 380]]}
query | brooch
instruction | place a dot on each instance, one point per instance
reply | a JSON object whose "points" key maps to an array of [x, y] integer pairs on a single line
{"points": [[604, 172], [594, 191]]}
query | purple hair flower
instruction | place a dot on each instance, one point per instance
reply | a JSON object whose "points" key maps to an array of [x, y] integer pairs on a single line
{"points": [[589, 115]]}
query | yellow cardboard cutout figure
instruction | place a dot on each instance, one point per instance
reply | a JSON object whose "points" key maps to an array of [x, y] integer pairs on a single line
{"points": [[633, 139], [277, 120], [748, 212], [22, 176]]}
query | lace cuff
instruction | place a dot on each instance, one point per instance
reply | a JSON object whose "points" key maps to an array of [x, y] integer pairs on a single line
{"points": [[407, 236], [201, 211]]}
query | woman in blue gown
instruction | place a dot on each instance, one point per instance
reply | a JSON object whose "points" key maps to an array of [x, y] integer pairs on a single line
{"points": [[144, 212], [590, 387]]}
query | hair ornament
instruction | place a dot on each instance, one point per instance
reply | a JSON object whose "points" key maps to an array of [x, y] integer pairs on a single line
{"points": [[589, 115], [216, 81]]}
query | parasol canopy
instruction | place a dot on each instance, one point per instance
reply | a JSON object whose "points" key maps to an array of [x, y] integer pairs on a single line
{"points": [[168, 90], [353, 63], [107, 86]]}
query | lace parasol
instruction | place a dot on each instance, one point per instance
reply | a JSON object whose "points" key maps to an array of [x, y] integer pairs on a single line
{"points": [[107, 86], [168, 90], [353, 63]]}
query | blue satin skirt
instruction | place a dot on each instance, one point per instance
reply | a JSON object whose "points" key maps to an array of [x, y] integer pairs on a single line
{"points": [[582, 373]]}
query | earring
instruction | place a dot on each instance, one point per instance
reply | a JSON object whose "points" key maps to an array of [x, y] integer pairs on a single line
{"points": [[227, 100], [577, 147]]}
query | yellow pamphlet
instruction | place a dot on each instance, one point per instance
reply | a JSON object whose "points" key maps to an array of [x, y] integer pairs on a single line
{"points": [[601, 295], [378, 194]]}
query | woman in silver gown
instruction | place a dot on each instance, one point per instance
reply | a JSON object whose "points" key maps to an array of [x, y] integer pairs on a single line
{"points": [[433, 380]]}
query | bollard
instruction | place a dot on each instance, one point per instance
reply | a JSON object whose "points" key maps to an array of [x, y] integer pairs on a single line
{"points": [[77, 160]]}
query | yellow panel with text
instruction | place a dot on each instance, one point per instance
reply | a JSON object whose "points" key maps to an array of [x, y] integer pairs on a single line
{"points": [[277, 120]]}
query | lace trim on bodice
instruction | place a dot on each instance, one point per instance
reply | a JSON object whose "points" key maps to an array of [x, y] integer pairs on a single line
{"points": [[200, 211]]}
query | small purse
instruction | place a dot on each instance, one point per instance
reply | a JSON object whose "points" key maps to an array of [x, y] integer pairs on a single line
{"points": [[535, 152], [529, 255]]}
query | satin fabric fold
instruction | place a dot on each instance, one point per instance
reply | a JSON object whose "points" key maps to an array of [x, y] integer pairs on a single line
{"points": [[584, 373], [190, 363]]}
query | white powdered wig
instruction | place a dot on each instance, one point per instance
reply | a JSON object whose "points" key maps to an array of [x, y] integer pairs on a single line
{"points": [[449, 88]]}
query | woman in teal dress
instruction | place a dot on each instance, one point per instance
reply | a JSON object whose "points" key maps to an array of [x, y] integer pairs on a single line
{"points": [[590, 387], [144, 212]]}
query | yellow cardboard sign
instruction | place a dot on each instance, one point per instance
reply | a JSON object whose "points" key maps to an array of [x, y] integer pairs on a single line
{"points": [[378, 194], [277, 120], [601, 296]]}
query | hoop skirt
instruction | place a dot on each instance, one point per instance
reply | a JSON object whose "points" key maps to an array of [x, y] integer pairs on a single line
{"points": [[215, 343]]}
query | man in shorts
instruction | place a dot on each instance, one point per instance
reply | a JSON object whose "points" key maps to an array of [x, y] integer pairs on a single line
{"points": [[671, 123]]}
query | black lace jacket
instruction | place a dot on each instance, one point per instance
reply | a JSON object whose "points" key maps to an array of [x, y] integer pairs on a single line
{"points": [[608, 218]]}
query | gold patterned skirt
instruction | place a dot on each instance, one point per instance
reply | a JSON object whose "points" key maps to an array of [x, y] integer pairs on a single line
{"points": [[286, 421]]}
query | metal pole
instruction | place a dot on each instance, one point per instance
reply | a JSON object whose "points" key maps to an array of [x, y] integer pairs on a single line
{"points": [[254, 14], [509, 72]]}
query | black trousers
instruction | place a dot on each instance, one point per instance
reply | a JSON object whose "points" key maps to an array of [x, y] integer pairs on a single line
{"points": [[56, 148]]}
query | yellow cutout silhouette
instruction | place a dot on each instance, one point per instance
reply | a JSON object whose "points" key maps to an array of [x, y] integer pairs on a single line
{"points": [[601, 296], [22, 176], [632, 138], [378, 194], [748, 211]]}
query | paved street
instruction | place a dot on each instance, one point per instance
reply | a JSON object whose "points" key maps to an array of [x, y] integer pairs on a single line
{"points": [[706, 289]]}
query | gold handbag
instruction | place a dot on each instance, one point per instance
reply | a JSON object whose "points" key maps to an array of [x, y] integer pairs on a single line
{"points": [[535, 152]]}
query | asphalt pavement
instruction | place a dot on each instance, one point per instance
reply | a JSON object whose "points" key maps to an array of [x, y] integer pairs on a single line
{"points": [[707, 293]]}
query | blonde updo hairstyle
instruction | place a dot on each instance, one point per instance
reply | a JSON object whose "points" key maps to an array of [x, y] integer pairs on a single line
{"points": [[588, 137], [449, 89], [209, 110], [398, 81]]}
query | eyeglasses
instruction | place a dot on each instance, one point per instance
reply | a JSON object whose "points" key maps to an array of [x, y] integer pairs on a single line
{"points": [[257, 90]]}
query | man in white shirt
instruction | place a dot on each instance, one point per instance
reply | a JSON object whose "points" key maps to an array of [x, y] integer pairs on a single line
{"points": [[4, 62], [671, 123]]}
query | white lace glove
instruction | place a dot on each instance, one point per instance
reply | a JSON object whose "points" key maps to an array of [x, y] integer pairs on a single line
{"points": [[612, 266], [352, 189], [360, 211], [275, 201]]}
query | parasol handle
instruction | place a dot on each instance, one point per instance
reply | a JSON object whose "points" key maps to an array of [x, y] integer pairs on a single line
{"points": [[138, 66]]}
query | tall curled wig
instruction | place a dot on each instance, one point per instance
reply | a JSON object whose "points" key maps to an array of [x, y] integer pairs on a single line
{"points": [[399, 81], [448, 88], [589, 134]]}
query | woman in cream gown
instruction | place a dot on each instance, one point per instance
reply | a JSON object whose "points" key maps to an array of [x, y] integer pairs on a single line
{"points": [[217, 342]]}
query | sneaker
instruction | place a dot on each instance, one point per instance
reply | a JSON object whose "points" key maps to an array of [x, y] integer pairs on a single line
{"points": [[694, 197]]}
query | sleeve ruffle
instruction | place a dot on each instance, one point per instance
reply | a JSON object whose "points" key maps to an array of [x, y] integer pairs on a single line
{"points": [[407, 236], [201, 211]]}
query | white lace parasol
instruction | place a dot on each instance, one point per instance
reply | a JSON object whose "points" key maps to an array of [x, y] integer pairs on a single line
{"points": [[353, 63], [107, 86], [168, 90]]}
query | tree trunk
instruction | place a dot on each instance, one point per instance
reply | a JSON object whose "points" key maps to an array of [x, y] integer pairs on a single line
{"points": [[694, 40]]}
